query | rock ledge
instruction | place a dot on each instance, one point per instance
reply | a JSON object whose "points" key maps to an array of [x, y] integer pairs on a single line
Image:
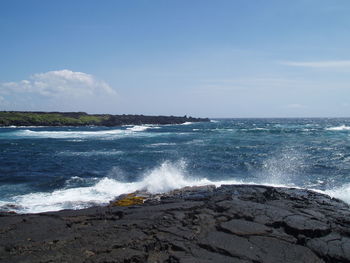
{"points": [[236, 223]]}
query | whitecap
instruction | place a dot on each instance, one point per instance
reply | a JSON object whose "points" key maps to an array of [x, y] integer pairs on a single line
{"points": [[339, 128], [90, 153], [75, 134], [187, 123], [164, 178], [161, 144], [259, 129], [68, 134], [138, 128]]}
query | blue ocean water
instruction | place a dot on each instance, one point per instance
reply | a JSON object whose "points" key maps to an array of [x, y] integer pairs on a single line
{"points": [[54, 168]]}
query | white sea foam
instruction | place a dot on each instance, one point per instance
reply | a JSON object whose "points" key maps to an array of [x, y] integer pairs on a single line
{"points": [[69, 134], [161, 144], [90, 153], [339, 128], [15, 127], [138, 128], [342, 193], [164, 178], [187, 123], [259, 129], [131, 131]]}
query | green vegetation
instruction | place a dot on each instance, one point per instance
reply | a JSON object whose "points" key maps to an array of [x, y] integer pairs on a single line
{"points": [[129, 200], [50, 119], [26, 118]]}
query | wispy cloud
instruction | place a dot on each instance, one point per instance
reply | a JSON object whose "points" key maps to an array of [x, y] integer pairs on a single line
{"points": [[318, 64], [59, 83], [57, 87]]}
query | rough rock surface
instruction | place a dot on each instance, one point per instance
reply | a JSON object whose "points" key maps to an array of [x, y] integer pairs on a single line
{"points": [[202, 224]]}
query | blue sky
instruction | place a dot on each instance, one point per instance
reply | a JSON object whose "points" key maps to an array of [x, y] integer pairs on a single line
{"points": [[236, 58]]}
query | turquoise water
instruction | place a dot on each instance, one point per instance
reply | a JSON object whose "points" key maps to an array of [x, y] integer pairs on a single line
{"points": [[54, 168]]}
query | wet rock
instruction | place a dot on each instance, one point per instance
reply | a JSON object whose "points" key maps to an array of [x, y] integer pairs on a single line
{"points": [[275, 250], [243, 228], [201, 224], [332, 247]]}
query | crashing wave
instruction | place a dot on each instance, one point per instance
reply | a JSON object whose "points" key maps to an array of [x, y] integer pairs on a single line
{"points": [[339, 128]]}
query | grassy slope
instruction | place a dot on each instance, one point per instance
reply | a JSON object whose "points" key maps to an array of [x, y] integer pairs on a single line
{"points": [[17, 118], [32, 118]]}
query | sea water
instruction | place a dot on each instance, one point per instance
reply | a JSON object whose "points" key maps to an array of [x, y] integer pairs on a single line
{"points": [[53, 168]]}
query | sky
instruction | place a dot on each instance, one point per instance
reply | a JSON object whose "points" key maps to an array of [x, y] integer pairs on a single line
{"points": [[203, 58]]}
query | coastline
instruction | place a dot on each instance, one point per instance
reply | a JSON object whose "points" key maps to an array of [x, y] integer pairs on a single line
{"points": [[231, 223], [62, 119]]}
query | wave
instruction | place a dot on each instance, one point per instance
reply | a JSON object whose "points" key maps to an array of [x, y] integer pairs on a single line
{"points": [[260, 129], [164, 178], [339, 128], [342, 193], [161, 144], [138, 128], [187, 123], [15, 127], [82, 134], [90, 153], [68, 134], [256, 129]]}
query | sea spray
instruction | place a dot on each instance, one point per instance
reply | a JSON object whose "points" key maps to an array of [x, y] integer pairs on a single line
{"points": [[342, 192], [283, 169], [161, 179], [53, 168]]}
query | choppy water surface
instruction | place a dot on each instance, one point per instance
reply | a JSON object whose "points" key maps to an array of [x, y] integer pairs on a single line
{"points": [[46, 168]]}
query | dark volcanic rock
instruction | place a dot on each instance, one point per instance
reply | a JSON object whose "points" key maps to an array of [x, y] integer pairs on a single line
{"points": [[201, 224]]}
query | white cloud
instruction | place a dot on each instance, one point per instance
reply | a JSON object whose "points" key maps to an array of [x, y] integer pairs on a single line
{"points": [[59, 83], [62, 89], [319, 64]]}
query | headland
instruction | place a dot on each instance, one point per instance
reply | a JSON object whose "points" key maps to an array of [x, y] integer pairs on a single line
{"points": [[36, 118]]}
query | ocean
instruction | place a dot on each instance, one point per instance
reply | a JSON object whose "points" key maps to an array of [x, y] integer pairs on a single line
{"points": [[54, 168]]}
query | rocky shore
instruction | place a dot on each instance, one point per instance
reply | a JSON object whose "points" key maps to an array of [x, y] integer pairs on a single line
{"points": [[241, 223], [27, 118]]}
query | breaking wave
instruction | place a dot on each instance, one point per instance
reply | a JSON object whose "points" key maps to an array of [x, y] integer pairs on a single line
{"points": [[68, 134], [134, 130], [90, 153], [339, 128], [164, 178], [342, 193], [187, 123], [138, 128]]}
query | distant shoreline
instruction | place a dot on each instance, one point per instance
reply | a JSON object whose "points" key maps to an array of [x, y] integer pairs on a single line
{"points": [[38, 118]]}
